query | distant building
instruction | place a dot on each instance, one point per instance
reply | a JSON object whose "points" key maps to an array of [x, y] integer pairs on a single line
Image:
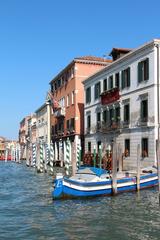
{"points": [[2, 147], [43, 132], [67, 119], [23, 136], [122, 104]]}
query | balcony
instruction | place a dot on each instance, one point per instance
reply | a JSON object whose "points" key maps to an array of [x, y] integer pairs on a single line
{"points": [[60, 112], [126, 124], [88, 130], [143, 122], [110, 96], [108, 126]]}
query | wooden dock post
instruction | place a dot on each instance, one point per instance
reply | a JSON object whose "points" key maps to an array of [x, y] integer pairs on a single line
{"points": [[138, 167], [114, 168], [94, 156], [158, 166]]}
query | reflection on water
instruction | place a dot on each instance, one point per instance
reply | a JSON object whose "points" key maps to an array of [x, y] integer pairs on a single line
{"points": [[28, 212]]}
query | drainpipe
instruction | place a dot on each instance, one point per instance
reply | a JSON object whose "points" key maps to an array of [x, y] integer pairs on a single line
{"points": [[158, 115], [158, 144]]}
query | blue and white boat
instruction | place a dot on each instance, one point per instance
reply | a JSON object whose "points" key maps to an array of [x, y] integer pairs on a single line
{"points": [[91, 182]]}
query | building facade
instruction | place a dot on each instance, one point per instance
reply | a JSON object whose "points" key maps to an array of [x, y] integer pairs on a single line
{"points": [[122, 104], [67, 117], [23, 133], [43, 123]]}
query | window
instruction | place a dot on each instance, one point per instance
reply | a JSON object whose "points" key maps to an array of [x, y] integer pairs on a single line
{"points": [[105, 116], [88, 121], [59, 82], [72, 72], [105, 85], [117, 80], [143, 70], [52, 88], [126, 78], [117, 111], [98, 120], [72, 97], [68, 100], [98, 117], [55, 127], [88, 95], [111, 115], [72, 124], [97, 90], [89, 146], [55, 85], [68, 125], [144, 147], [144, 110], [98, 145], [126, 113], [110, 81], [61, 102], [127, 147]]}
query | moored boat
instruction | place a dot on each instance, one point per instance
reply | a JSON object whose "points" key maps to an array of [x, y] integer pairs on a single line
{"points": [[92, 182]]}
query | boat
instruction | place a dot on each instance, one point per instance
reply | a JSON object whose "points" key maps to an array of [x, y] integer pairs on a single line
{"points": [[92, 182]]}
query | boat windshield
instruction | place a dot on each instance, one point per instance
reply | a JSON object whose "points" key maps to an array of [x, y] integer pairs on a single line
{"points": [[91, 171]]}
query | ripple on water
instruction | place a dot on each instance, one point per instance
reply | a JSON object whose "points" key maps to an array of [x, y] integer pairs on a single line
{"points": [[28, 212]]}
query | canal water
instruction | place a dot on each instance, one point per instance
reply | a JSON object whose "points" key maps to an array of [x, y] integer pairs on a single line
{"points": [[27, 211]]}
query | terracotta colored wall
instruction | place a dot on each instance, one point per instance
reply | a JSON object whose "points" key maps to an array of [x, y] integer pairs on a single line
{"points": [[82, 71]]}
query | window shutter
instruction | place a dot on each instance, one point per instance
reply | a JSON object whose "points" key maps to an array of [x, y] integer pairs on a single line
{"points": [[89, 95], [123, 80], [95, 91], [140, 72], [128, 77], [147, 70]]}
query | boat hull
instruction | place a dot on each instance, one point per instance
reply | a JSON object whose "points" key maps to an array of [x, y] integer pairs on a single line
{"points": [[66, 188]]}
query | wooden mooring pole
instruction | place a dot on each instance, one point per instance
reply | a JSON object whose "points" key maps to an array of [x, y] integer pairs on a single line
{"points": [[114, 168], [158, 166], [138, 167]]}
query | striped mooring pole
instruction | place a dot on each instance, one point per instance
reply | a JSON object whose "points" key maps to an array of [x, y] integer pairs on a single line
{"points": [[51, 158], [67, 156], [79, 156], [47, 153], [41, 158], [34, 154]]}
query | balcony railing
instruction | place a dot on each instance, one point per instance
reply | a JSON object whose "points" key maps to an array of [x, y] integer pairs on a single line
{"points": [[60, 112], [108, 126], [126, 124], [143, 121], [110, 96]]}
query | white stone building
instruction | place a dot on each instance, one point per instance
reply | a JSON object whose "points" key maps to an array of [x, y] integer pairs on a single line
{"points": [[43, 123], [122, 104]]}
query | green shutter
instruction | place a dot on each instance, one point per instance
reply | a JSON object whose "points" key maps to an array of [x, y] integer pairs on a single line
{"points": [[128, 77], [140, 72], [123, 80], [147, 70], [95, 91]]}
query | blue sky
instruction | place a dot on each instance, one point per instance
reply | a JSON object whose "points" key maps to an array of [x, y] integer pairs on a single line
{"points": [[40, 37]]}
